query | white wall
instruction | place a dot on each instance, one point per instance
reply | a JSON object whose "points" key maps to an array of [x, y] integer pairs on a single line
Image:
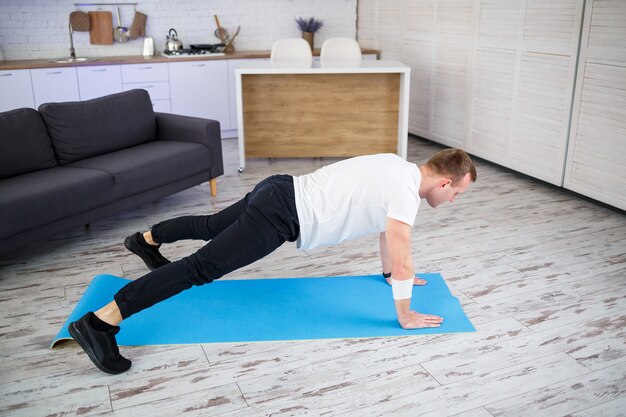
{"points": [[32, 29]]}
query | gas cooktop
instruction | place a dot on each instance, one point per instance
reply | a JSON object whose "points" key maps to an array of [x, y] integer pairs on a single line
{"points": [[197, 50]]}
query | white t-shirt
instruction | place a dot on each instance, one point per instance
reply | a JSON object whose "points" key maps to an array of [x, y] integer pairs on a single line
{"points": [[353, 198]]}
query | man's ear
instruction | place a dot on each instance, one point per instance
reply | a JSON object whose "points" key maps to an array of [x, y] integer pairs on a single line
{"points": [[443, 182]]}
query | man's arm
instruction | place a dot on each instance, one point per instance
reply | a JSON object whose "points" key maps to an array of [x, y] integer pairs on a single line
{"points": [[385, 261], [398, 246]]}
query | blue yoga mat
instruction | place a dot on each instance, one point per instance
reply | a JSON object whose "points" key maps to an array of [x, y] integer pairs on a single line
{"points": [[275, 309]]}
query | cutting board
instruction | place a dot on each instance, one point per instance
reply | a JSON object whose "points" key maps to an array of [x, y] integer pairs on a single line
{"points": [[101, 28]]}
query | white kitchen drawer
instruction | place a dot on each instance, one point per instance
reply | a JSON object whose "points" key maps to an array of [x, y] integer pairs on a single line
{"points": [[98, 81], [158, 90], [162, 106], [200, 89], [140, 73], [54, 85], [17, 90]]}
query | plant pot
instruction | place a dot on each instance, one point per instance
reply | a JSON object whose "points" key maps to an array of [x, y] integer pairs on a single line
{"points": [[309, 37]]}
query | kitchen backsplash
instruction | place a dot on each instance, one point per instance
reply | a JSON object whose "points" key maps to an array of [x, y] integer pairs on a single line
{"points": [[32, 29]]}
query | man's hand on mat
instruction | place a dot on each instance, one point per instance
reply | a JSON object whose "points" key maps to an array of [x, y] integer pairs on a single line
{"points": [[416, 281], [415, 320]]}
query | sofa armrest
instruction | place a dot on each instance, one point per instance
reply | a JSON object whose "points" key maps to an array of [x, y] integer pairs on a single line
{"points": [[193, 129]]}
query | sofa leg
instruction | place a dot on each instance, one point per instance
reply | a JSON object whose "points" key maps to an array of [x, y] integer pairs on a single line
{"points": [[213, 184]]}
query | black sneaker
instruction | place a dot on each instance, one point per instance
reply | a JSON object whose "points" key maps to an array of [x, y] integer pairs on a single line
{"points": [[101, 347], [148, 253]]}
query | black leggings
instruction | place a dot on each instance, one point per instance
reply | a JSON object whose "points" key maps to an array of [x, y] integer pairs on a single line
{"points": [[238, 235]]}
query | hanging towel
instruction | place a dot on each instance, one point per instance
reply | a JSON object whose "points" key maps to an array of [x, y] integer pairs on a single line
{"points": [[138, 27]]}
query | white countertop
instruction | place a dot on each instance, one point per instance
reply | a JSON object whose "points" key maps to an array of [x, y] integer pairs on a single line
{"points": [[337, 67]]}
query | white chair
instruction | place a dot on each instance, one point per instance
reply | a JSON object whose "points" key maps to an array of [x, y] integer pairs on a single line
{"points": [[291, 51], [340, 50]]}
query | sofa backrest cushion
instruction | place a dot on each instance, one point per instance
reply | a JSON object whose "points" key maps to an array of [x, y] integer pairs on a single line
{"points": [[24, 143], [83, 129]]}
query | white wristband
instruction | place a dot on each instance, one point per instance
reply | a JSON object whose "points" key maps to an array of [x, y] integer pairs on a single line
{"points": [[402, 289]]}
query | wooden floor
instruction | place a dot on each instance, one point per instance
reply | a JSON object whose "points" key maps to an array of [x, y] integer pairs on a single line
{"points": [[541, 274]]}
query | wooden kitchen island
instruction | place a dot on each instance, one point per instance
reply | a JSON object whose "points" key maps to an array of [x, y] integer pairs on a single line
{"points": [[287, 111]]}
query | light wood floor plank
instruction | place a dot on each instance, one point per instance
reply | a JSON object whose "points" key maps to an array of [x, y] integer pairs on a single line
{"points": [[570, 396], [467, 395]]}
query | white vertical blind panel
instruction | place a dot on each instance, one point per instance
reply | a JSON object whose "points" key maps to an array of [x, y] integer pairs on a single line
{"points": [[454, 17], [449, 93], [419, 16], [596, 160], [550, 26], [598, 165], [500, 21], [418, 55], [389, 17], [540, 132], [366, 23], [389, 46], [492, 103], [608, 24]]}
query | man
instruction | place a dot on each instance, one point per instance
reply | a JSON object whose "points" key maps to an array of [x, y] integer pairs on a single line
{"points": [[342, 201]]}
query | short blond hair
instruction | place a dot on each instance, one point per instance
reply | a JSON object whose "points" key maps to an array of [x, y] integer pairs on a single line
{"points": [[453, 163]]}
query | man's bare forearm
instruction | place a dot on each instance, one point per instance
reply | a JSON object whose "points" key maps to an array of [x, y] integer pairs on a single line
{"points": [[385, 258]]}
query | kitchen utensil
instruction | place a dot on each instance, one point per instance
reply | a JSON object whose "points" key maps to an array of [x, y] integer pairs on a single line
{"points": [[138, 27], [220, 32], [79, 21], [229, 43], [173, 43], [148, 47], [72, 51], [120, 33], [100, 24]]}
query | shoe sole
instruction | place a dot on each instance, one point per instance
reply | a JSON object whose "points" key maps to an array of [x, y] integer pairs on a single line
{"points": [[82, 341]]}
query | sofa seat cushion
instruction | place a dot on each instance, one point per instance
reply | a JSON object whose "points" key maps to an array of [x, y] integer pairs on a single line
{"points": [[150, 165], [41, 197], [88, 128], [24, 143]]}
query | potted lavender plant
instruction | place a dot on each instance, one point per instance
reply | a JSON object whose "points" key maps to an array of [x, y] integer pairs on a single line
{"points": [[309, 27]]}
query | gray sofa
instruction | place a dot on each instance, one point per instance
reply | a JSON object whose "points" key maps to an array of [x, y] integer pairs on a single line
{"points": [[69, 164]]}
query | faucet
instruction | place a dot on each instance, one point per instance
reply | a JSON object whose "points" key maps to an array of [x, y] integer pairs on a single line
{"points": [[72, 52]]}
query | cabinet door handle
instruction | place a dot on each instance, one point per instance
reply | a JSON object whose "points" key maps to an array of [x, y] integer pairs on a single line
{"points": [[198, 65], [99, 70], [6, 75], [144, 68], [147, 86], [54, 72]]}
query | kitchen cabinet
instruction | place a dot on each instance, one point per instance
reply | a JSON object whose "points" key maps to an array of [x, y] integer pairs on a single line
{"points": [[98, 81], [154, 78], [54, 85], [17, 90], [200, 89], [597, 142]]}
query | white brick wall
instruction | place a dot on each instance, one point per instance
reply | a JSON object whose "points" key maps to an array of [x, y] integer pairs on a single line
{"points": [[32, 29]]}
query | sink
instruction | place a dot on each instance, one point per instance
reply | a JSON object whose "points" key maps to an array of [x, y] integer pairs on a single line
{"points": [[71, 60]]}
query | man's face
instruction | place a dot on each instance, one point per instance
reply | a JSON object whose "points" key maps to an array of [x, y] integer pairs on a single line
{"points": [[445, 191]]}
